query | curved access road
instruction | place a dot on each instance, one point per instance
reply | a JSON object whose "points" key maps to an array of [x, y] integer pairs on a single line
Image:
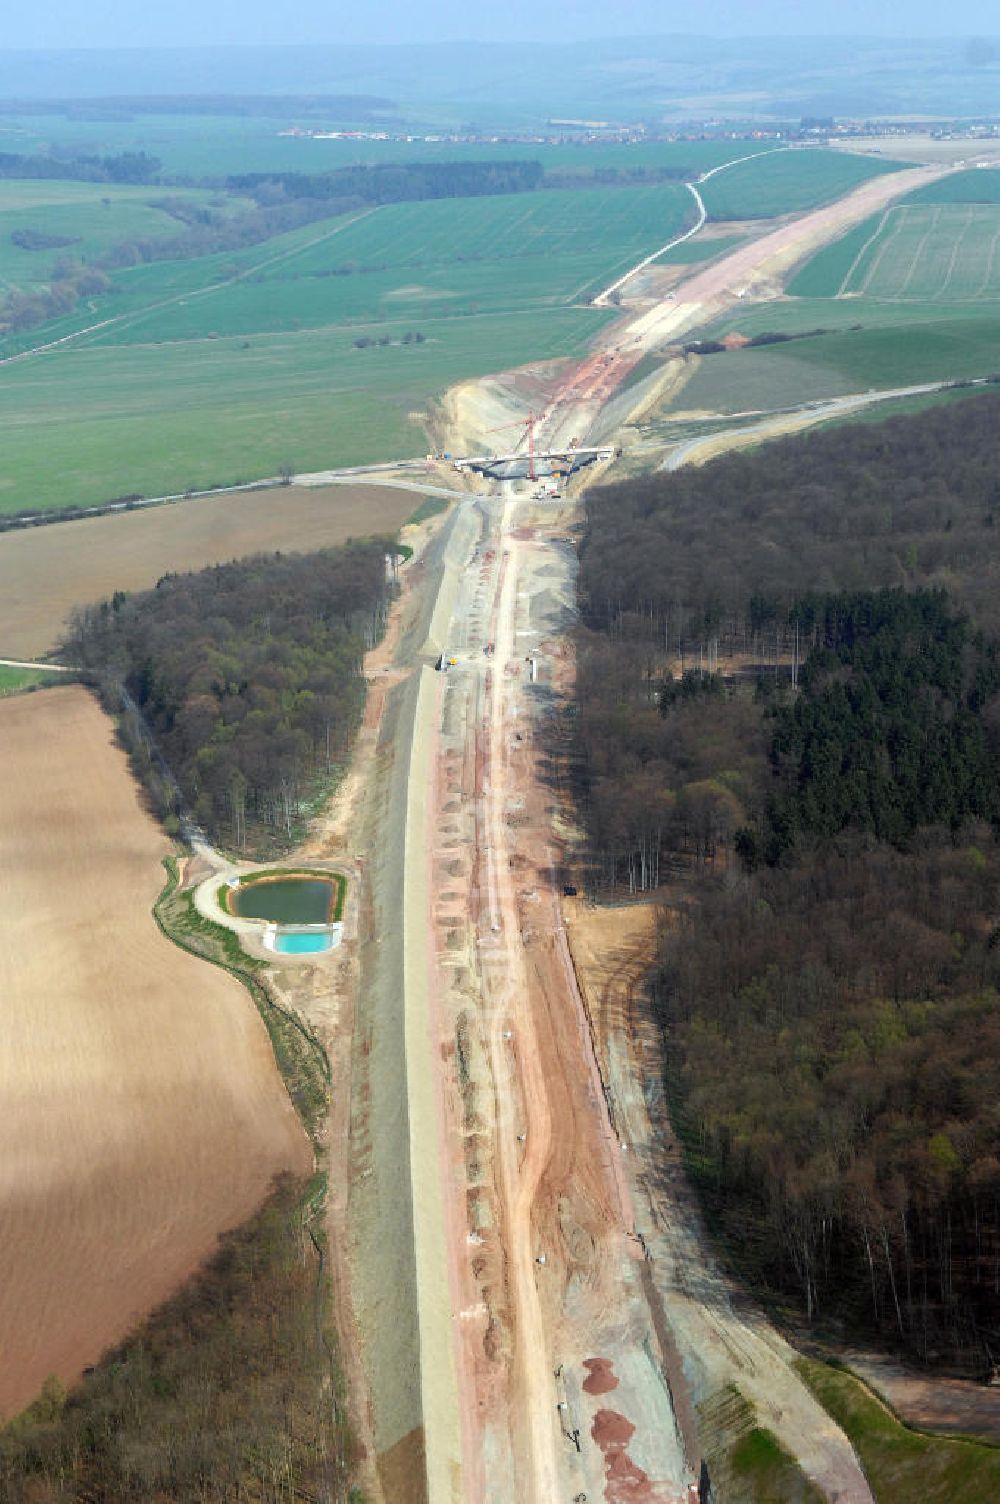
{"points": [[788, 420], [603, 298]]}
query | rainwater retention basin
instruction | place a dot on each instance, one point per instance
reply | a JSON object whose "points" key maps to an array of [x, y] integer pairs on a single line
{"points": [[286, 900]]}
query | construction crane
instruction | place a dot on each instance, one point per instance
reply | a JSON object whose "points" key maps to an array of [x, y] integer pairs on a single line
{"points": [[529, 424]]}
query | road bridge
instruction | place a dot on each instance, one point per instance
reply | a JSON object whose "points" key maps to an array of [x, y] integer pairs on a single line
{"points": [[499, 464]]}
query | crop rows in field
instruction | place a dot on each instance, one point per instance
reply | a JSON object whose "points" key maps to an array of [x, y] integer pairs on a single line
{"points": [[914, 253], [787, 181], [414, 261]]}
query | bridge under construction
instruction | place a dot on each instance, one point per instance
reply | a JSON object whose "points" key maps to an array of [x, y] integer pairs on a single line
{"points": [[533, 465]]}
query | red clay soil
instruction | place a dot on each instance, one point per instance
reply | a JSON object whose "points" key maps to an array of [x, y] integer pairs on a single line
{"points": [[625, 1479], [601, 1379]]}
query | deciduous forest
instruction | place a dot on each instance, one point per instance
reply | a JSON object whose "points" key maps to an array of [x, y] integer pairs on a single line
{"points": [[788, 723], [241, 685], [226, 1392]]}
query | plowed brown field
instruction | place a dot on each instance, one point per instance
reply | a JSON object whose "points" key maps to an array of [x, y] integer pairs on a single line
{"points": [[141, 1111], [45, 572]]}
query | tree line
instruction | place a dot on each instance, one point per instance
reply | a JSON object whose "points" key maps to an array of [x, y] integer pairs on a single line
{"points": [[787, 720], [241, 684], [223, 1393], [393, 182], [125, 167]]}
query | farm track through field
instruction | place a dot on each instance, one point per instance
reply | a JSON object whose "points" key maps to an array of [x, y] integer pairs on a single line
{"points": [[123, 320], [920, 255], [953, 259], [845, 285], [987, 281], [898, 220], [915, 255]]}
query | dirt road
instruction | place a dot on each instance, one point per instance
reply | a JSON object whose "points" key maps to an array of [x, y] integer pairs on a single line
{"points": [[746, 271], [555, 1278], [707, 446]]}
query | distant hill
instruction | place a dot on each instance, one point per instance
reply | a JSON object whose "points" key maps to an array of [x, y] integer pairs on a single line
{"points": [[647, 78]]}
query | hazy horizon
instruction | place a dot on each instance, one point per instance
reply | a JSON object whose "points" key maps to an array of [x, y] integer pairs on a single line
{"points": [[110, 24]]}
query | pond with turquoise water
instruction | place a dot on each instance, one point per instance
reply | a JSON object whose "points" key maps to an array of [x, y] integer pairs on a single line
{"points": [[301, 943]]}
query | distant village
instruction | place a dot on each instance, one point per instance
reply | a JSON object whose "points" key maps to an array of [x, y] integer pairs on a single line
{"points": [[562, 132]]}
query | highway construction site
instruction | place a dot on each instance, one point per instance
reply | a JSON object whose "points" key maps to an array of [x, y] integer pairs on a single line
{"points": [[528, 1305]]}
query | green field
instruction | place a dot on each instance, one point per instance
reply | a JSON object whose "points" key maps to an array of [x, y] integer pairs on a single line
{"points": [[225, 368], [978, 186], [832, 365], [786, 182], [14, 680], [903, 1466], [217, 146], [94, 216], [410, 262], [755, 380], [917, 253], [796, 315], [79, 426]]}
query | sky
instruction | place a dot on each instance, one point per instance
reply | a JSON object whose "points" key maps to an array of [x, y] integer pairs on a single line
{"points": [[186, 23]]}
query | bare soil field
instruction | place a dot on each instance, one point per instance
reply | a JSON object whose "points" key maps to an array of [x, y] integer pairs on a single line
{"points": [[46, 571], [141, 1112], [909, 147]]}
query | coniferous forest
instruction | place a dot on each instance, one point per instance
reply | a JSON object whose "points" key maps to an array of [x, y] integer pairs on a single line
{"points": [[241, 685], [788, 724]]}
